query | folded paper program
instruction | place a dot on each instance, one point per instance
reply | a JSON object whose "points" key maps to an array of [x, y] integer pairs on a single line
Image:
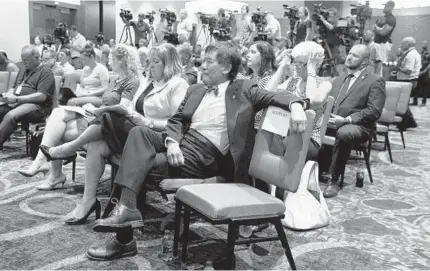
{"points": [[276, 121]]}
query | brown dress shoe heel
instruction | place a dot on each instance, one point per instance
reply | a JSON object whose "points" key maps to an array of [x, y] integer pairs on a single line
{"points": [[332, 189], [122, 217]]}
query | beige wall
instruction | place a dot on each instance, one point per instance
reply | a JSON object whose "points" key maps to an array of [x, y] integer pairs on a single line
{"points": [[15, 30]]}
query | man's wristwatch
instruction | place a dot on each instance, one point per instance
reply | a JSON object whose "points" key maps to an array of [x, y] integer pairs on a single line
{"points": [[151, 124], [305, 103]]}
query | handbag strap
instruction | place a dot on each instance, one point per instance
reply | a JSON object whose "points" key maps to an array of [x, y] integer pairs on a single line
{"points": [[310, 172]]}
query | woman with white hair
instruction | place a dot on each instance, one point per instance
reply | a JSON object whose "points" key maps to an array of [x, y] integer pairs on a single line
{"points": [[305, 61]]}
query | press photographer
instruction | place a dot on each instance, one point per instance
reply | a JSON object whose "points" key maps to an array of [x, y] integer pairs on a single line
{"points": [[77, 44], [141, 27], [62, 34], [383, 30], [184, 27], [164, 31], [222, 31], [259, 20]]}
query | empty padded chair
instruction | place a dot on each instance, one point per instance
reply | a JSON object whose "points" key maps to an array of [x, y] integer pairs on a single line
{"points": [[403, 104], [238, 204], [388, 114]]}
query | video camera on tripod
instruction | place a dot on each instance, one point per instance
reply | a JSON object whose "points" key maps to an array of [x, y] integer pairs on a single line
{"points": [[125, 15], [170, 17], [347, 31], [259, 19], [62, 34], [363, 13], [149, 16], [319, 10]]}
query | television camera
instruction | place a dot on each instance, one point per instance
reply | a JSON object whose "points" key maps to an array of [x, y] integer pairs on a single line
{"points": [[364, 14], [347, 31], [170, 16], [319, 10], [125, 15], [259, 19], [291, 14], [149, 16], [61, 33]]}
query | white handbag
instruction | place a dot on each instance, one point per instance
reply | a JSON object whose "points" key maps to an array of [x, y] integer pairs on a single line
{"points": [[306, 209]]}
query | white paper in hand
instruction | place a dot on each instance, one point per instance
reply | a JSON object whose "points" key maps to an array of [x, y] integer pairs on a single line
{"points": [[277, 121]]}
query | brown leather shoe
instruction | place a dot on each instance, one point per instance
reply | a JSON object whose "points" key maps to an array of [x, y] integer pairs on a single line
{"points": [[122, 217], [332, 189], [112, 250]]}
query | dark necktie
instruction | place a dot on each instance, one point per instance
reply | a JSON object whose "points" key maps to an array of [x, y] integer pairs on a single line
{"points": [[139, 103], [343, 91], [212, 89]]}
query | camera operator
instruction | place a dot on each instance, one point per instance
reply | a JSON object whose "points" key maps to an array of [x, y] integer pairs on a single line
{"points": [[332, 39], [246, 28], [141, 28], [273, 28], [383, 30], [77, 44], [184, 27], [303, 26], [161, 29]]}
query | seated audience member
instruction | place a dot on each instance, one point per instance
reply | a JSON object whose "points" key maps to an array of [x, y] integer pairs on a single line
{"points": [[144, 61], [105, 58], [360, 98], [5, 64], [31, 97], [280, 48], [39, 45], [190, 72], [308, 57], [94, 80], [64, 58], [261, 62], [143, 43], [65, 125], [48, 43], [198, 51], [154, 103], [112, 43], [49, 59], [195, 143]]}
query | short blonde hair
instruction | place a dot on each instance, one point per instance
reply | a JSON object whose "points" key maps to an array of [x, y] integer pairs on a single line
{"points": [[128, 57], [304, 49], [170, 58]]}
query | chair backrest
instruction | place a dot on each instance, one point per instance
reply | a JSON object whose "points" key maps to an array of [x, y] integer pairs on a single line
{"points": [[72, 79], [405, 94], [282, 171], [4, 81], [55, 101], [326, 117], [12, 79], [390, 107]]}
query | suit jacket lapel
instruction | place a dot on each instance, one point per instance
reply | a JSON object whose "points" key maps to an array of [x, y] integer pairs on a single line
{"points": [[193, 102], [232, 104], [337, 85], [357, 82]]}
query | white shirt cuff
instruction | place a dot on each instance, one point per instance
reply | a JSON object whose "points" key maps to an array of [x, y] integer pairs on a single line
{"points": [[169, 139]]}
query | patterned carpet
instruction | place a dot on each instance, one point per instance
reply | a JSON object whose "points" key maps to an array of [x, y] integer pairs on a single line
{"points": [[382, 226]]}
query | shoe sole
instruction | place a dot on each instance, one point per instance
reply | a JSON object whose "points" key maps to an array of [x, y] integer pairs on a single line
{"points": [[116, 227], [128, 254]]}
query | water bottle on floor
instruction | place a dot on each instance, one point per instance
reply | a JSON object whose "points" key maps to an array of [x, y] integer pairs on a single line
{"points": [[165, 245], [209, 266], [360, 178]]}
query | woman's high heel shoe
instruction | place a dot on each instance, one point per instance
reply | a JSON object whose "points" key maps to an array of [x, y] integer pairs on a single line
{"points": [[45, 150], [51, 186], [79, 221], [31, 173]]}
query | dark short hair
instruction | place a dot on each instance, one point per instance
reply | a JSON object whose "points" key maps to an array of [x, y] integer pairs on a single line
{"points": [[268, 58], [74, 28], [226, 53], [88, 51]]}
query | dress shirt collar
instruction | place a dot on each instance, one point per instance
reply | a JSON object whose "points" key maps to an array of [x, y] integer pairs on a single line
{"points": [[222, 88], [357, 73]]}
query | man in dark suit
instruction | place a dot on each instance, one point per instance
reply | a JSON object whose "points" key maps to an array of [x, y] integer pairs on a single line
{"points": [[212, 132], [360, 98]]}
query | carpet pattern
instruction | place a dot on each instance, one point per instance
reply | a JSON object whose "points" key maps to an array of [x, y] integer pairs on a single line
{"points": [[381, 226]]}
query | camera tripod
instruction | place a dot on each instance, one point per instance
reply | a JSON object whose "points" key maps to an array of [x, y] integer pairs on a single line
{"points": [[128, 35], [328, 67], [208, 36], [153, 41]]}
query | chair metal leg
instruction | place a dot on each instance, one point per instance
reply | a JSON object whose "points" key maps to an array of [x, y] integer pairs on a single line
{"points": [[284, 241], [187, 212], [403, 139], [233, 230], [178, 210], [366, 158], [74, 170], [27, 143], [387, 142]]}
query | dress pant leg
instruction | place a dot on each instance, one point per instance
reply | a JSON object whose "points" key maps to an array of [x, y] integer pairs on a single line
{"points": [[138, 157], [27, 112], [346, 137]]}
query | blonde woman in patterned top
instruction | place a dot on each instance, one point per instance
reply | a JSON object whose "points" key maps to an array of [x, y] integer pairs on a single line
{"points": [[307, 59]]}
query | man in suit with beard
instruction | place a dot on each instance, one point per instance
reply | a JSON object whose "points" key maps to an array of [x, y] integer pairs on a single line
{"points": [[211, 134], [360, 98]]}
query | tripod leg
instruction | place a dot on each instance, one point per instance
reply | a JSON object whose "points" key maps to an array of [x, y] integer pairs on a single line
{"points": [[122, 33]]}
